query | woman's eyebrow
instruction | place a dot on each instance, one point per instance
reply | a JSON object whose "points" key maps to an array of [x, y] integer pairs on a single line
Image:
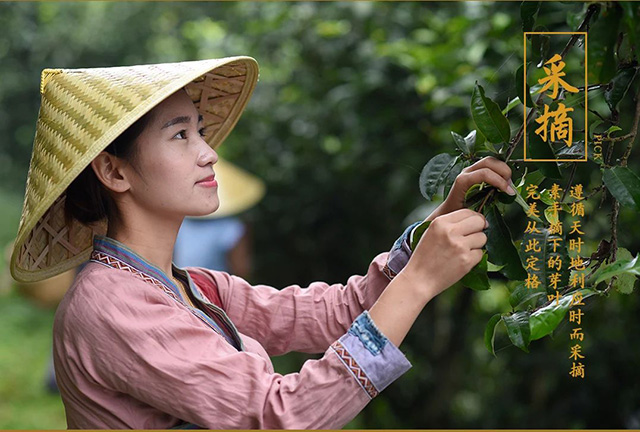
{"points": [[180, 119]]}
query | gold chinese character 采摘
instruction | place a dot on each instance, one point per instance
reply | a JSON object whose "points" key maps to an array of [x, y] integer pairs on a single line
{"points": [[554, 77], [561, 128]]}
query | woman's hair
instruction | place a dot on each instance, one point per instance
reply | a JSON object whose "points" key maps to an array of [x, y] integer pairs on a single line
{"points": [[87, 199]]}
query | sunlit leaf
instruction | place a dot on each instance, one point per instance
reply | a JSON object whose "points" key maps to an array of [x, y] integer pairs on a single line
{"points": [[545, 320], [620, 266], [461, 143]]}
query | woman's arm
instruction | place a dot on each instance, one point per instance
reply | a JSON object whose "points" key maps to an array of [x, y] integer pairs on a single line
{"points": [[306, 319], [136, 341]]}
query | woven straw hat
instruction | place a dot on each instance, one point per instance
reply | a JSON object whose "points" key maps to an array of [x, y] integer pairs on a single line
{"points": [[82, 111], [238, 190]]}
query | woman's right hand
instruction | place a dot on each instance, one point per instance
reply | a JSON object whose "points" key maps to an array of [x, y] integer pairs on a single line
{"points": [[448, 250]]}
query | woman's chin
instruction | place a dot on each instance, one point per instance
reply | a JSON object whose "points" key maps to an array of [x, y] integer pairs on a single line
{"points": [[205, 211]]}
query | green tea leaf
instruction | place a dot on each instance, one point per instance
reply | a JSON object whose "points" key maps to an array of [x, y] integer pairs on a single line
{"points": [[538, 149], [540, 45], [624, 282], [518, 329], [490, 333], [417, 233], [576, 151], [624, 185], [434, 174], [592, 127], [521, 294], [526, 207], [488, 117], [477, 278], [471, 139], [545, 320], [603, 35], [461, 143], [451, 177], [500, 246], [618, 267], [528, 11], [619, 86], [491, 267], [475, 195], [504, 197], [612, 129], [524, 92]]}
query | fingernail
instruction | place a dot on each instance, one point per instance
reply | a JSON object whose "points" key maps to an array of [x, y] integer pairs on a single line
{"points": [[511, 189], [486, 224]]}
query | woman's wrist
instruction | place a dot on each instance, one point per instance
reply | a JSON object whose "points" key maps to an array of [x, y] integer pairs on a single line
{"points": [[422, 287]]}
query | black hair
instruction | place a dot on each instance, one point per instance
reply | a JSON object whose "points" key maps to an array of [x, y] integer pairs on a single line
{"points": [[87, 199]]}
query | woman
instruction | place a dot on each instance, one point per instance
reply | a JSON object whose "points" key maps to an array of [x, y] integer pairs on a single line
{"points": [[140, 343]]}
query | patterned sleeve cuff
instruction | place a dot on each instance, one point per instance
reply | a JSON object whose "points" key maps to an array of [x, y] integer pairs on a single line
{"points": [[400, 253], [374, 361]]}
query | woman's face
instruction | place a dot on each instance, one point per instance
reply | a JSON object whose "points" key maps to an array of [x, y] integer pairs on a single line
{"points": [[172, 173]]}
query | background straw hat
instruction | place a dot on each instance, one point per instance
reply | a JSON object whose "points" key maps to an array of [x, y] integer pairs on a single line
{"points": [[238, 190], [82, 111]]}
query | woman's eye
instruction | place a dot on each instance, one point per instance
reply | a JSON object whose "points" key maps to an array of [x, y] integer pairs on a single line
{"points": [[181, 135], [203, 132]]}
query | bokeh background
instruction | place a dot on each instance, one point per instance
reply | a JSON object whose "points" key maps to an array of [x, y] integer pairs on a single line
{"points": [[353, 100]]}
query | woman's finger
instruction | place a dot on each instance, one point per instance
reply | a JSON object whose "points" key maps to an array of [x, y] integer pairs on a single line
{"points": [[492, 163], [486, 175], [476, 240], [459, 215], [470, 225]]}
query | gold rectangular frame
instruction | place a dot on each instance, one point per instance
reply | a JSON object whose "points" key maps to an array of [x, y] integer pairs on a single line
{"points": [[586, 98]]}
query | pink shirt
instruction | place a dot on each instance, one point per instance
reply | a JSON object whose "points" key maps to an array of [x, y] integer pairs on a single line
{"points": [[129, 354]]}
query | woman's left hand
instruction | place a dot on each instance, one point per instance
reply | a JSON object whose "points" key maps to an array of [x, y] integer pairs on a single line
{"points": [[489, 170]]}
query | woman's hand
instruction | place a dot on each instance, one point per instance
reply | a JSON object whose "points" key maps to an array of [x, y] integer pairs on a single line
{"points": [[451, 246], [489, 170], [448, 250]]}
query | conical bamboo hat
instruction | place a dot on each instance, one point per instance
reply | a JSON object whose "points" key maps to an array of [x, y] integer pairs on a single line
{"points": [[82, 111]]}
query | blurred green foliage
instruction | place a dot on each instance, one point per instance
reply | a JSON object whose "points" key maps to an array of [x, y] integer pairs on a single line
{"points": [[353, 100]]}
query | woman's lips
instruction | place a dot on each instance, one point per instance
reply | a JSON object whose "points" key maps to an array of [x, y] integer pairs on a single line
{"points": [[208, 182]]}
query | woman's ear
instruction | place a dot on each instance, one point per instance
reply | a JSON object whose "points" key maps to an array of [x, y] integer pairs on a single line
{"points": [[110, 171]]}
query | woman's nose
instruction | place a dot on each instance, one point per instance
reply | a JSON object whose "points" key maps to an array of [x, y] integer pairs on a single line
{"points": [[208, 155]]}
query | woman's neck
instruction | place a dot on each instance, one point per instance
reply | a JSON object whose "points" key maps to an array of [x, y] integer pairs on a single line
{"points": [[153, 240]]}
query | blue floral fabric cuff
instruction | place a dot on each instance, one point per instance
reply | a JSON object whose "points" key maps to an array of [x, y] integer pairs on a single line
{"points": [[374, 360], [400, 253]]}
